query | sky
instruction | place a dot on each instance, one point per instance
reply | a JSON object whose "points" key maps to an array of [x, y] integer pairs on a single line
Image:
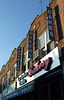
{"points": [[16, 17]]}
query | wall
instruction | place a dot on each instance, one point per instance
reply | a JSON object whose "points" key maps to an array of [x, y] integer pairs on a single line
{"points": [[40, 23]]}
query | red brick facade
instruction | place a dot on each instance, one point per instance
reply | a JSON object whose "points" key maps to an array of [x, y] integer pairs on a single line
{"points": [[39, 24]]}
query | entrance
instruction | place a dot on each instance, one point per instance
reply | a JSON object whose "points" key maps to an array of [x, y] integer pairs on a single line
{"points": [[44, 92], [55, 90], [49, 91]]}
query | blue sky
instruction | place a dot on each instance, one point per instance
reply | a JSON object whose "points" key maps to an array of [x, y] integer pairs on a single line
{"points": [[16, 17]]}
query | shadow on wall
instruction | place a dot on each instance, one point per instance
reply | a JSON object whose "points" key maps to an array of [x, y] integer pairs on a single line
{"points": [[58, 21]]}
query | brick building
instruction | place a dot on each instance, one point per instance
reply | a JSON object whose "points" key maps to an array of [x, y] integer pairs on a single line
{"points": [[37, 83]]}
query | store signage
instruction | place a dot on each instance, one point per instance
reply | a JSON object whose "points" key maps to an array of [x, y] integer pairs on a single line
{"points": [[50, 23], [22, 82], [22, 76], [32, 70], [30, 45], [47, 63], [44, 65], [18, 58]]}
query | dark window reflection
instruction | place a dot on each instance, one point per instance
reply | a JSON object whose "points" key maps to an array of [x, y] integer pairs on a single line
{"points": [[55, 92], [44, 92]]}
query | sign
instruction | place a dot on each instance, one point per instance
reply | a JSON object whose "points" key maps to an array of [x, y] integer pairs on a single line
{"points": [[50, 23], [30, 45], [21, 78], [40, 65], [22, 82], [18, 58], [47, 63]]}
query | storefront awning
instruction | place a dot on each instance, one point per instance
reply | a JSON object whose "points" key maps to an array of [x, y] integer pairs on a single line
{"points": [[25, 89]]}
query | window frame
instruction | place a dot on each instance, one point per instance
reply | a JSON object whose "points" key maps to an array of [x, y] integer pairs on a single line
{"points": [[45, 41]]}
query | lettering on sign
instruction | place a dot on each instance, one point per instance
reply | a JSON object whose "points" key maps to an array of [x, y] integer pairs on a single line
{"points": [[30, 45], [45, 64], [22, 82], [22, 76], [18, 58], [40, 65], [50, 24]]}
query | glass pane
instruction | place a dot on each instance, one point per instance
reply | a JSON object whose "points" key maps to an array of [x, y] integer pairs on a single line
{"points": [[24, 59], [9, 74], [44, 92], [47, 36], [41, 42], [2, 83], [50, 46], [36, 94], [55, 91]]}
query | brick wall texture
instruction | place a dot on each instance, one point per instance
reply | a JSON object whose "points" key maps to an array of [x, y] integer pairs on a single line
{"points": [[40, 23]]}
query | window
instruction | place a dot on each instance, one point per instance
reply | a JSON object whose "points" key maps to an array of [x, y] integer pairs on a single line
{"points": [[24, 59], [8, 78], [55, 90], [29, 63], [14, 71], [42, 42], [36, 42], [45, 44], [36, 94], [62, 50], [47, 36], [2, 83], [50, 46], [44, 92], [24, 66]]}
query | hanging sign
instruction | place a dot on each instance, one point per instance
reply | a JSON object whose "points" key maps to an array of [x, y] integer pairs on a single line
{"points": [[30, 45], [18, 58], [50, 24]]}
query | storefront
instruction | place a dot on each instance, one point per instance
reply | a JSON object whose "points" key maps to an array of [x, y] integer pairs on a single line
{"points": [[49, 87], [43, 81]]}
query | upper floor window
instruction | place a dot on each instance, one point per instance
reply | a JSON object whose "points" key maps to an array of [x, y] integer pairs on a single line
{"points": [[8, 78], [42, 42], [14, 71], [29, 63], [45, 44], [24, 62], [50, 46], [24, 59], [47, 36], [2, 83], [36, 42]]}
